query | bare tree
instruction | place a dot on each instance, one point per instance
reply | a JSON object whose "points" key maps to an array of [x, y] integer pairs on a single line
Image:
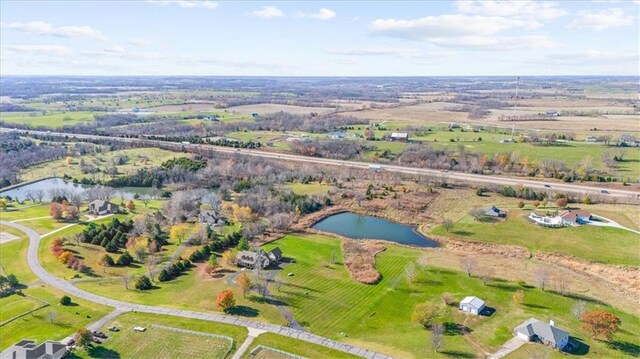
{"points": [[410, 272], [578, 308], [126, 279], [542, 277], [29, 194], [486, 274], [477, 213], [39, 194], [447, 224], [151, 265], [562, 285], [469, 264], [423, 262], [52, 316], [437, 336]]}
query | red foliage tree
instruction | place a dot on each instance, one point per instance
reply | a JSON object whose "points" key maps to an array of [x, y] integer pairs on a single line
{"points": [[600, 323], [562, 202], [55, 210], [225, 300]]}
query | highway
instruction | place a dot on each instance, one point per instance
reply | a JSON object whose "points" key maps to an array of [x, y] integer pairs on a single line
{"points": [[449, 175]]}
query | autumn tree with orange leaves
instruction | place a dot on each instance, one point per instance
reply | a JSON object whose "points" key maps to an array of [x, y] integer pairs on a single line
{"points": [[600, 323], [225, 300]]}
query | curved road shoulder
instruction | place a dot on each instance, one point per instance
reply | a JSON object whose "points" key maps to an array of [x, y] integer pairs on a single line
{"points": [[121, 306]]}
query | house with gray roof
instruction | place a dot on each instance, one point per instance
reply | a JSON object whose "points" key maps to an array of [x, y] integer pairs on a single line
{"points": [[495, 212], [472, 305], [534, 330], [212, 218], [27, 349], [100, 207], [251, 260]]}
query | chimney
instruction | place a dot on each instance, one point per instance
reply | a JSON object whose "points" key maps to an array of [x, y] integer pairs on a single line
{"points": [[552, 323]]}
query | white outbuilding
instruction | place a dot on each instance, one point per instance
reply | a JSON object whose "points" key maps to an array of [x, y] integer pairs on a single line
{"points": [[473, 305]]}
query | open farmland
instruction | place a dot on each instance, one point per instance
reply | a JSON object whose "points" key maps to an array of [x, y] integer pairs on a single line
{"points": [[265, 108], [49, 119]]}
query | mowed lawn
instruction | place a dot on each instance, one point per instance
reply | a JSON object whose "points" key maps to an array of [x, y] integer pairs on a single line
{"points": [[599, 244], [290, 345], [15, 305], [53, 322], [328, 302], [53, 119]]}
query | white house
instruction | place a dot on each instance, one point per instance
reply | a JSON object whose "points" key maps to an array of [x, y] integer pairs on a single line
{"points": [[473, 305], [399, 136], [534, 330], [591, 139]]}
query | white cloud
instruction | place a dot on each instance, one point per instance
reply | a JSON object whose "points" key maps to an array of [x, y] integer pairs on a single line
{"points": [[544, 10], [322, 14], [45, 28], [601, 20], [187, 4], [497, 43], [268, 12], [52, 50], [139, 41], [448, 26], [115, 50], [594, 56]]}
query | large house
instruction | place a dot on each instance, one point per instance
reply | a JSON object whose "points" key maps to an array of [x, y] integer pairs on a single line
{"points": [[100, 207], [260, 258], [212, 218], [27, 349], [573, 217], [534, 330], [473, 305], [399, 136]]}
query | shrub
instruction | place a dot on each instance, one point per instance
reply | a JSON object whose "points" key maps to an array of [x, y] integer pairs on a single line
{"points": [[164, 276], [65, 300], [125, 259], [143, 283]]}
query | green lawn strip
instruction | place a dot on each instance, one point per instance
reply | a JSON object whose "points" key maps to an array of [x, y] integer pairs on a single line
{"points": [[37, 325], [28, 210], [308, 188], [51, 119], [44, 225], [165, 343], [599, 244], [15, 305], [324, 299], [295, 347], [13, 260]]}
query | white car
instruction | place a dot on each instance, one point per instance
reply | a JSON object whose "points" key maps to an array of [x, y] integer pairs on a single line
{"points": [[139, 329]]}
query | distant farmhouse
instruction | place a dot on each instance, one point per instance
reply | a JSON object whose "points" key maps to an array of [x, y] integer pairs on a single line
{"points": [[472, 305], [495, 212], [260, 258], [399, 136], [27, 349], [628, 140], [100, 207], [591, 139], [534, 330]]}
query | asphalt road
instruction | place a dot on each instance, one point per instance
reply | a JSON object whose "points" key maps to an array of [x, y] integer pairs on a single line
{"points": [[449, 175], [121, 306]]}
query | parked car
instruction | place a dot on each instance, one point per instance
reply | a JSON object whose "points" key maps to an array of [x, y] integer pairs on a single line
{"points": [[96, 340], [114, 329], [547, 186], [604, 191], [140, 329]]}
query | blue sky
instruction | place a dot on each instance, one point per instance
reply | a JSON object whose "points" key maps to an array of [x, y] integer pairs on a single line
{"points": [[319, 38]]}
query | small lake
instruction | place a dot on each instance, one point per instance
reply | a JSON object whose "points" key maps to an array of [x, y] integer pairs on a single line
{"points": [[356, 226], [49, 184]]}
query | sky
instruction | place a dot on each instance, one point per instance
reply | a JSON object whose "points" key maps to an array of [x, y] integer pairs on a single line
{"points": [[295, 38]]}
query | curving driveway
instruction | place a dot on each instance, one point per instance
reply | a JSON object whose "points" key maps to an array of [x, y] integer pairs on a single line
{"points": [[121, 306]]}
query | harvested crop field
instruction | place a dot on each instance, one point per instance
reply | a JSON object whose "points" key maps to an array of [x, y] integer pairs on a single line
{"points": [[264, 108]]}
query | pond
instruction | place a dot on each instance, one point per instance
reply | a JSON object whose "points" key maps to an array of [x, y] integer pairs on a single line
{"points": [[51, 184], [361, 227]]}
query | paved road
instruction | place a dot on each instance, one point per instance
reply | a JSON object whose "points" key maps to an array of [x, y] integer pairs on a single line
{"points": [[120, 306], [451, 175]]}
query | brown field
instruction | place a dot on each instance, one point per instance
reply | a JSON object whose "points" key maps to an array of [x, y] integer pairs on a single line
{"points": [[414, 115], [271, 108]]}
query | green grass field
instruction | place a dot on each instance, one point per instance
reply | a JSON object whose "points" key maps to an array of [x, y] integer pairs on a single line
{"points": [[308, 188], [599, 244], [40, 326], [296, 347], [327, 301], [13, 260], [53, 119], [15, 305]]}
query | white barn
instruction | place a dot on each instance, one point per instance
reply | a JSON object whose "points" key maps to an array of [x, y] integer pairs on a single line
{"points": [[472, 305]]}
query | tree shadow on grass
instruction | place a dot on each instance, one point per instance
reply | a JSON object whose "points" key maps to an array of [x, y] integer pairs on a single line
{"points": [[579, 297], [456, 329], [462, 233], [243, 311], [535, 306], [102, 352], [504, 286], [630, 349], [457, 354]]}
